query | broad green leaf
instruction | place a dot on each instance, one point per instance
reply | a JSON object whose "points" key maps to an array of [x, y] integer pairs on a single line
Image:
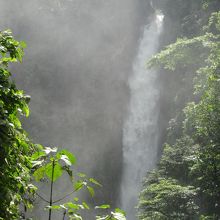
{"points": [[66, 160], [37, 155], [57, 171], [48, 150], [68, 154], [39, 173]]}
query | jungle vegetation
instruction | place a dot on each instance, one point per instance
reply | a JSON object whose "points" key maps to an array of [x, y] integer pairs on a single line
{"points": [[186, 182], [22, 162]]}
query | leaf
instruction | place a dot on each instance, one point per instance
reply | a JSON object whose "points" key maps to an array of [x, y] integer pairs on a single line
{"points": [[76, 199], [39, 173], [25, 146], [120, 211], [48, 150], [55, 207], [68, 154], [63, 207], [85, 205], [78, 185], [82, 175], [37, 163], [72, 205], [77, 217], [25, 110], [57, 171], [23, 44], [39, 147], [66, 160], [20, 54], [106, 217], [118, 216], [69, 171], [91, 191], [95, 182], [37, 155], [104, 206]]}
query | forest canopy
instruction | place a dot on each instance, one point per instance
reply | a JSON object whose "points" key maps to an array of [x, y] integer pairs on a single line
{"points": [[186, 183]]}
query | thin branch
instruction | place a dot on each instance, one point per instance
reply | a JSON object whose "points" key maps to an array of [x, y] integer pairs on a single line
{"points": [[51, 190], [58, 200], [64, 214], [42, 198]]}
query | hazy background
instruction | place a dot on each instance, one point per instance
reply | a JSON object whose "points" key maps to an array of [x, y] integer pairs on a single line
{"points": [[76, 67]]}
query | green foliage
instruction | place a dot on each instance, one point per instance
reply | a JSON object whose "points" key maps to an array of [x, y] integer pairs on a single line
{"points": [[50, 163], [117, 214], [20, 160], [189, 169], [179, 157], [15, 148], [166, 199]]}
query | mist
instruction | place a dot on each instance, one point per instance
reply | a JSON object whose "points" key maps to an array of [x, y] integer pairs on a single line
{"points": [[150, 136], [76, 67]]}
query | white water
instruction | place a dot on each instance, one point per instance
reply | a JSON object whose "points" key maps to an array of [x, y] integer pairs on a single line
{"points": [[140, 134]]}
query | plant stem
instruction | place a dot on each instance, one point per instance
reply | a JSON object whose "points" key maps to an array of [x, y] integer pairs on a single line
{"points": [[64, 214], [51, 190]]}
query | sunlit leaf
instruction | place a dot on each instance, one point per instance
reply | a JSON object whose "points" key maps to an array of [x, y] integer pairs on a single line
{"points": [[37, 163], [48, 150], [38, 155], [72, 205], [78, 185], [39, 173], [56, 170], [95, 182], [85, 205], [68, 154], [104, 206], [66, 160], [91, 191]]}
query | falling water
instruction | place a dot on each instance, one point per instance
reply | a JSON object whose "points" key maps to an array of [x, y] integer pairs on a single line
{"points": [[140, 134]]}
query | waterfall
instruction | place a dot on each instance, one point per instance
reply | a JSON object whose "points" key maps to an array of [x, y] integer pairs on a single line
{"points": [[140, 132]]}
